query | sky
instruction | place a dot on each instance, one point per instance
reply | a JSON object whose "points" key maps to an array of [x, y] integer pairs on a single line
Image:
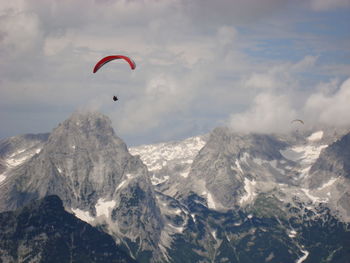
{"points": [[252, 65]]}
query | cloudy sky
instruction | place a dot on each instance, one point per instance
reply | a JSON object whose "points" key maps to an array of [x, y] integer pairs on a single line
{"points": [[251, 64]]}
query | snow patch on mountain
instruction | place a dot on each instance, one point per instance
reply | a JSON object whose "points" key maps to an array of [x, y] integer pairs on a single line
{"points": [[238, 165], [157, 156], [292, 233], [211, 202], [156, 181], [316, 136], [176, 229], [129, 177], [303, 257], [249, 188], [83, 215], [314, 198], [185, 173], [17, 158], [17, 152], [20, 156], [193, 217], [305, 155], [104, 208], [328, 184]]}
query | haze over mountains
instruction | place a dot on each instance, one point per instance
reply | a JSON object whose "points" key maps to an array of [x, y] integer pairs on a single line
{"points": [[221, 197]]}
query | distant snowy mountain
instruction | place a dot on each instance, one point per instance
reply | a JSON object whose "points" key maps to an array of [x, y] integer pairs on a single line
{"points": [[229, 169], [266, 177], [221, 197]]}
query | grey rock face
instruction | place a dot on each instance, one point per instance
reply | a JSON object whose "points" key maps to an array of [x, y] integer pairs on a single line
{"points": [[80, 155], [216, 169], [16, 150], [21, 143], [333, 165], [344, 202], [332, 162], [90, 169]]}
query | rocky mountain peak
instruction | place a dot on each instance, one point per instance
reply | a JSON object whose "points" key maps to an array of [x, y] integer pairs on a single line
{"points": [[87, 122], [263, 146], [86, 129], [81, 160]]}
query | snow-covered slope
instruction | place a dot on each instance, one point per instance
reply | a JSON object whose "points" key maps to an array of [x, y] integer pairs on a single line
{"points": [[157, 156], [169, 163]]}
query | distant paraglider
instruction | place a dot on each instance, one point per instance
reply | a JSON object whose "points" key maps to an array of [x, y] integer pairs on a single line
{"points": [[296, 124], [107, 59], [297, 120]]}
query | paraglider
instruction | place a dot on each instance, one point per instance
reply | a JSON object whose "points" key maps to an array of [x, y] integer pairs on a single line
{"points": [[107, 59], [297, 120], [296, 124]]}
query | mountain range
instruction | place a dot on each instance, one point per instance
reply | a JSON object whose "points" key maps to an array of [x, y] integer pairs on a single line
{"points": [[219, 197]]}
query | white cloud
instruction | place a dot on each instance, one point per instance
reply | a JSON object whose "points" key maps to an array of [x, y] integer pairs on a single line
{"points": [[54, 44], [269, 114], [278, 98], [330, 109], [261, 80], [14, 6], [304, 64], [272, 113], [19, 33], [226, 35], [279, 76], [162, 97]]}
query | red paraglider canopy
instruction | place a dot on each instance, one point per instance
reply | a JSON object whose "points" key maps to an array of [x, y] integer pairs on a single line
{"points": [[110, 58]]}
